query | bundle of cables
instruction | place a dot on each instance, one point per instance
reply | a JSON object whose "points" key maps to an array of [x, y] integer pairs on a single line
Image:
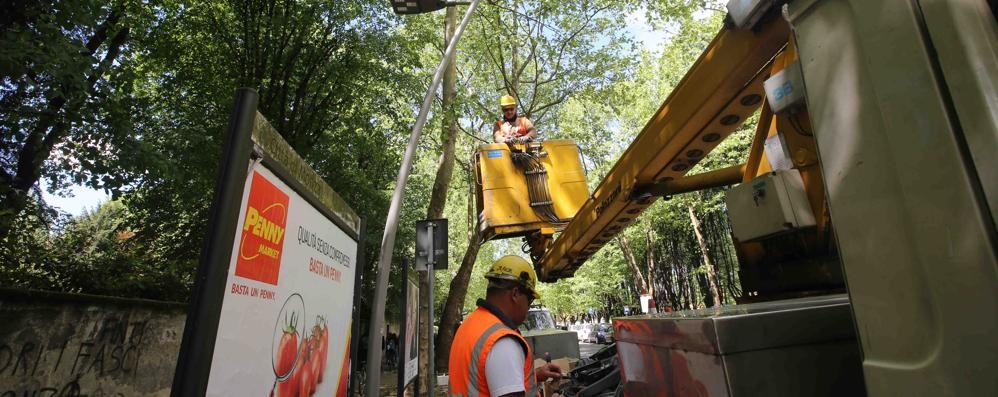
{"points": [[537, 181]]}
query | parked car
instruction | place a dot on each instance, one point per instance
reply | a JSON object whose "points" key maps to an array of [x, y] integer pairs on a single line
{"points": [[577, 328], [604, 333], [593, 336], [584, 331]]}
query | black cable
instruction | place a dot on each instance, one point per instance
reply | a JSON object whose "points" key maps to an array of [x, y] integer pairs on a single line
{"points": [[537, 184]]}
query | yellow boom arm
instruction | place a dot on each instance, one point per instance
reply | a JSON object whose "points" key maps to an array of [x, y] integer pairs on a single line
{"points": [[721, 90]]}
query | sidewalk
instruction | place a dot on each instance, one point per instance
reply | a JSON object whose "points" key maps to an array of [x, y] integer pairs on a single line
{"points": [[389, 385]]}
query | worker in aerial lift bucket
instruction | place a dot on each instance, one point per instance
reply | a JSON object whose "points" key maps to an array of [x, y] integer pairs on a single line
{"points": [[489, 357], [512, 127]]}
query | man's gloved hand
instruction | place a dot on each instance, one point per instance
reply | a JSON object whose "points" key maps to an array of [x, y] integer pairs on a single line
{"points": [[548, 371]]}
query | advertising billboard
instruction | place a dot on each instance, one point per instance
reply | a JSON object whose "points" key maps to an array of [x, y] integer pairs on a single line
{"points": [[410, 356], [286, 314], [272, 305]]}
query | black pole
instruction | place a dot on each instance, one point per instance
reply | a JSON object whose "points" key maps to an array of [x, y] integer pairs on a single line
{"points": [[355, 326], [400, 350], [198, 345], [415, 386]]}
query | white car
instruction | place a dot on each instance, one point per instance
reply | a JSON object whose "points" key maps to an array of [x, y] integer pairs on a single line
{"points": [[584, 331], [577, 328]]}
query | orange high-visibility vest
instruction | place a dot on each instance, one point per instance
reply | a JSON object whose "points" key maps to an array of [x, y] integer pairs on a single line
{"points": [[470, 349], [518, 128]]}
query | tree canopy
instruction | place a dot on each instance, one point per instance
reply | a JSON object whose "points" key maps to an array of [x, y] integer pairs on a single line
{"points": [[131, 97]]}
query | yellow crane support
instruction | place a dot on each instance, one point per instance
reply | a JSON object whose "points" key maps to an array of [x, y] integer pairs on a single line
{"points": [[721, 90]]}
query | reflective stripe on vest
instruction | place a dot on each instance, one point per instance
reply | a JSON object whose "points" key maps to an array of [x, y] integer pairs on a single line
{"points": [[533, 389], [475, 353]]}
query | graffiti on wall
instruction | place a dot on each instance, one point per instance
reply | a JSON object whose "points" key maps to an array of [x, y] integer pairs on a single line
{"points": [[89, 352]]}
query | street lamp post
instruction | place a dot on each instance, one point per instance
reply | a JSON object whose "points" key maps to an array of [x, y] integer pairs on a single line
{"points": [[405, 7], [391, 223]]}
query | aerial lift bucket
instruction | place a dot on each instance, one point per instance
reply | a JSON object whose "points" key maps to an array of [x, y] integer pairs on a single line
{"points": [[505, 208]]}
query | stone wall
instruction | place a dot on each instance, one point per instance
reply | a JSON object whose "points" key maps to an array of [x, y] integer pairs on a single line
{"points": [[54, 344]]}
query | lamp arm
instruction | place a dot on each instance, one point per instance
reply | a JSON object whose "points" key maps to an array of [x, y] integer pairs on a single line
{"points": [[391, 223]]}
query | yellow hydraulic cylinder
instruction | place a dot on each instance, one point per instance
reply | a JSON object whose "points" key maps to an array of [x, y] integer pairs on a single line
{"points": [[504, 204]]}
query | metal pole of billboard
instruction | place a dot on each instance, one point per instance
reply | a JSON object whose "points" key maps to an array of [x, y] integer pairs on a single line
{"points": [[430, 272], [400, 367], [391, 223], [198, 344], [355, 325]]}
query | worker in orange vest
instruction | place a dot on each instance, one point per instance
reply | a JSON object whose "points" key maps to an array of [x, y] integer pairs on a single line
{"points": [[489, 357], [512, 127]]}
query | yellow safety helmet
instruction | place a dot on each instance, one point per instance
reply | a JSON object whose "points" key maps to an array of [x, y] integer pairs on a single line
{"points": [[507, 100], [515, 268]]}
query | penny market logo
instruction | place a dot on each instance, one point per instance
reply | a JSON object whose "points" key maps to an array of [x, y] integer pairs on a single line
{"points": [[262, 240]]}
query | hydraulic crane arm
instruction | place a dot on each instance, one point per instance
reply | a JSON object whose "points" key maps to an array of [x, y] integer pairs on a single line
{"points": [[721, 90]]}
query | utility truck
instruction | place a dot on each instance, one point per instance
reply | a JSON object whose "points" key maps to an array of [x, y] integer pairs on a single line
{"points": [[864, 218]]}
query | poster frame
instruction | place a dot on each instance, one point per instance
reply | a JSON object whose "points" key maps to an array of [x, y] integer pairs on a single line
{"points": [[354, 380], [239, 152], [401, 361]]}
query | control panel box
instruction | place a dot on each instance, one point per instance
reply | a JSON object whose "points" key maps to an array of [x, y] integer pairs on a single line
{"points": [[770, 204]]}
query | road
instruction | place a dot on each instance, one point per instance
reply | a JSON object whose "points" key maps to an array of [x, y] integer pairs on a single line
{"points": [[588, 349]]}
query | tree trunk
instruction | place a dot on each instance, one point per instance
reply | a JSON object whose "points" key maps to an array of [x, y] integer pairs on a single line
{"points": [[448, 134], [424, 348], [459, 285], [711, 271], [650, 263], [455, 302], [671, 283], [438, 197], [632, 263], [669, 286], [684, 281], [514, 74]]}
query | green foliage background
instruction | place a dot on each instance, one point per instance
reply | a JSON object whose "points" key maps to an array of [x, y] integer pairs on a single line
{"points": [[341, 80]]}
